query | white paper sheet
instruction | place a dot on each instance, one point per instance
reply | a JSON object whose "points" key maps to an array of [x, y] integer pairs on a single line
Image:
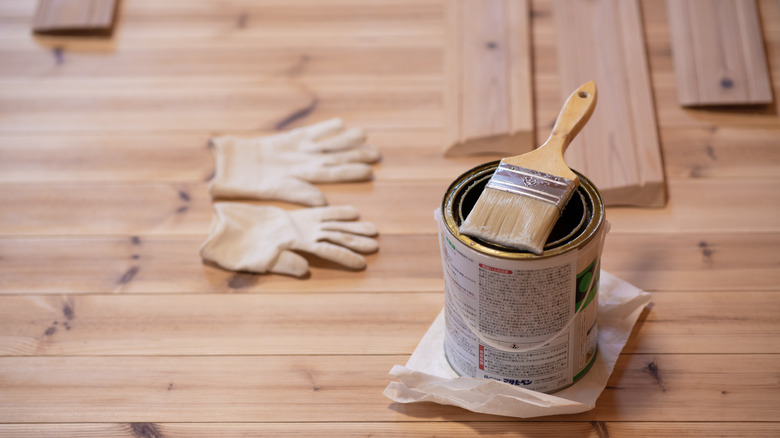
{"points": [[427, 377]]}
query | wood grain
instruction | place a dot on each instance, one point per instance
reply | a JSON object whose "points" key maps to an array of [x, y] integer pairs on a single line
{"points": [[718, 53], [171, 265], [342, 389], [487, 96], [185, 157], [337, 323], [432, 429], [721, 153], [619, 149], [103, 169], [692, 153], [396, 207], [219, 109], [164, 265], [90, 15], [176, 325]]}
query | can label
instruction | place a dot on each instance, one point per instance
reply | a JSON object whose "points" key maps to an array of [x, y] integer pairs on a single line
{"points": [[529, 323]]}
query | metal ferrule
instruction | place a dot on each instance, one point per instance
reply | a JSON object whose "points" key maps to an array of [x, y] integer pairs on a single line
{"points": [[531, 183]]}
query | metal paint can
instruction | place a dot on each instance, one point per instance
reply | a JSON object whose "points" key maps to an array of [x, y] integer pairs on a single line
{"points": [[515, 317]]}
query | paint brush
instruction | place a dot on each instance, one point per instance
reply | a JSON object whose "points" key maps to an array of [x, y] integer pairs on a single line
{"points": [[526, 194]]}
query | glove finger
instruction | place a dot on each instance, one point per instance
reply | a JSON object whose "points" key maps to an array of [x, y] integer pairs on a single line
{"points": [[290, 263], [336, 173], [361, 228], [294, 190], [363, 154], [320, 129], [354, 242], [337, 254], [313, 217], [351, 138]]}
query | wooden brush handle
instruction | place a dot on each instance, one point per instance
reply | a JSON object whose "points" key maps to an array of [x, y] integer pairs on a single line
{"points": [[573, 116], [548, 158]]}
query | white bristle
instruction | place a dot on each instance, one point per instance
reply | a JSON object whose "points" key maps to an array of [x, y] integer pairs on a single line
{"points": [[511, 220]]}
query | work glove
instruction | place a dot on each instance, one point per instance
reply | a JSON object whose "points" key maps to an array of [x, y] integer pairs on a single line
{"points": [[283, 166], [264, 239]]}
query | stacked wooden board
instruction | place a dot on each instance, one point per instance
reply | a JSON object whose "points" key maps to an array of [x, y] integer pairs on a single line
{"points": [[718, 53], [74, 15], [619, 149], [488, 92]]}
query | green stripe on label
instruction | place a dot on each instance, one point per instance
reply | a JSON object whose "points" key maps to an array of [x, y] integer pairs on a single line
{"points": [[594, 290], [588, 277], [448, 242]]}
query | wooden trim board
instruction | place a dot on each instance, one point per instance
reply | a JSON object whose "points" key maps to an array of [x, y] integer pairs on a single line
{"points": [[74, 15], [488, 94], [618, 149], [718, 53]]}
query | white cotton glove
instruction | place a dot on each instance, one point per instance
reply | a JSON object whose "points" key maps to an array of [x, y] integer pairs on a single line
{"points": [[283, 166], [263, 238]]}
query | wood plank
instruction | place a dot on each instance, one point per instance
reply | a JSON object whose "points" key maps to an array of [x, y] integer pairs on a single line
{"points": [[396, 207], [175, 157], [166, 265], [99, 209], [654, 13], [160, 265], [145, 19], [758, 117], [488, 92], [185, 208], [210, 37], [685, 429], [275, 430], [672, 117], [277, 104], [74, 15], [309, 55], [656, 19], [724, 152], [657, 32], [349, 389], [174, 325], [539, 429], [694, 261], [718, 53], [105, 157], [713, 206], [706, 379], [338, 323], [619, 148], [708, 322]]}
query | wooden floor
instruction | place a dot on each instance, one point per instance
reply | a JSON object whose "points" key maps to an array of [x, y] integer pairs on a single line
{"points": [[111, 325]]}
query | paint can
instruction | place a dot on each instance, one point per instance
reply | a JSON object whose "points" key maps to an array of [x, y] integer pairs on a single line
{"points": [[512, 316]]}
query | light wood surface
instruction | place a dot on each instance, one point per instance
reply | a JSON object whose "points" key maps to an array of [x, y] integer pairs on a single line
{"points": [[718, 53], [488, 89], [74, 15], [619, 150], [112, 326]]}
